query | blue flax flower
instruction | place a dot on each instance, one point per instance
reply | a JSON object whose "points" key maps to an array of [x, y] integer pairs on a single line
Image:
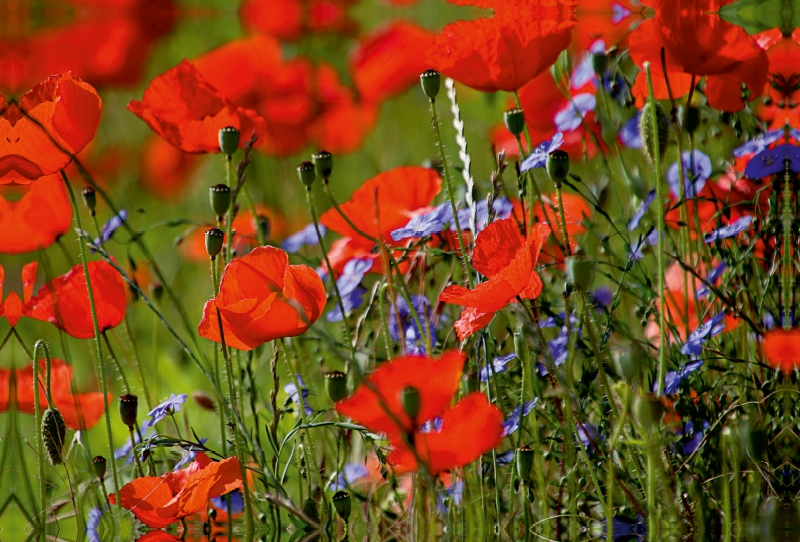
{"points": [[696, 171], [711, 328], [691, 437], [572, 115], [294, 397], [641, 210], [113, 224], [498, 366], [350, 473], [168, 407], [305, 237], [512, 422], [771, 161], [674, 379], [349, 285], [731, 230], [414, 336], [539, 155], [712, 278]]}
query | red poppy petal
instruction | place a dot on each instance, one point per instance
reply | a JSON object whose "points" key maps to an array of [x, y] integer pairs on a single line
{"points": [[472, 320], [496, 246], [781, 349], [209, 329], [146, 497]]}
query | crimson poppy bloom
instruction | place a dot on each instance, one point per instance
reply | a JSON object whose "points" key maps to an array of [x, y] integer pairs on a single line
{"points": [[35, 220], [783, 52], [64, 301], [182, 107], [781, 349], [52, 122], [158, 501], [262, 298], [11, 308], [400, 191], [508, 260], [503, 52], [698, 42], [290, 20], [80, 410]]}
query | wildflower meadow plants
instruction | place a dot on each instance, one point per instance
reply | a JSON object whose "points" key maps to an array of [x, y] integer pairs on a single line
{"points": [[484, 270]]}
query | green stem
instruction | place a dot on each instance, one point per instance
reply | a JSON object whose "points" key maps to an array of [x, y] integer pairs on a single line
{"points": [[42, 534], [229, 220]]}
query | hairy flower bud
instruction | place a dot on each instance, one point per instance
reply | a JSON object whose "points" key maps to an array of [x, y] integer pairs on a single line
{"points": [[54, 432], [649, 137]]}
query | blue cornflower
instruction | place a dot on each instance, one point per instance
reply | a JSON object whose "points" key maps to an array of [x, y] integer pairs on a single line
{"points": [[584, 71], [349, 287], [502, 210], [603, 296], [539, 155], [512, 422], [415, 338], [713, 277], [305, 237], [426, 224], [350, 473], [771, 161], [498, 366], [619, 13], [674, 379], [126, 450], [572, 115], [168, 407], [452, 495], [731, 230], [707, 330], [588, 435], [113, 224], [757, 144], [629, 134], [626, 529], [641, 211], [237, 502], [93, 524], [294, 397], [696, 171], [691, 437], [505, 458]]}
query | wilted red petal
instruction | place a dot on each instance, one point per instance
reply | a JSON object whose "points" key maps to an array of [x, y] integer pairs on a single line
{"points": [[781, 349]]}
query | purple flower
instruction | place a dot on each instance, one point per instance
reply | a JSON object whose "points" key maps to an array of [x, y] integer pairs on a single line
{"points": [[674, 379], [650, 239], [512, 422], [498, 366], [570, 117], [349, 284], [237, 502], [757, 144], [603, 296], [794, 133], [505, 458], [451, 495], [588, 435], [771, 161], [192, 453], [707, 330], [351, 473], [696, 171], [539, 155], [629, 134], [715, 274], [502, 210], [168, 407], [126, 450], [731, 230], [626, 529], [294, 397], [584, 71], [93, 524], [111, 226], [641, 210], [691, 437], [768, 320], [620, 13], [415, 338], [426, 224], [306, 236]]}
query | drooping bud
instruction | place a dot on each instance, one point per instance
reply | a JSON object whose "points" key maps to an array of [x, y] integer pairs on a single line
{"points": [[89, 198], [219, 196], [650, 138], [648, 409], [323, 161], [524, 462], [203, 400], [311, 509], [431, 81], [341, 502], [228, 140], [515, 121], [336, 385], [214, 240], [307, 173], [557, 166], [410, 400], [599, 63], [99, 466], [128, 407], [580, 271], [692, 120], [54, 432]]}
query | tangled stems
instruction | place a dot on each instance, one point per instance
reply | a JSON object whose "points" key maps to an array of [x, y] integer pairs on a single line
{"points": [[42, 534], [97, 342]]}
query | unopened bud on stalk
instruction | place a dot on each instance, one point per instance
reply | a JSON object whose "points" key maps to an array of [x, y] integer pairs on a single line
{"points": [[431, 81], [524, 462], [228, 140], [336, 385], [341, 502], [515, 121], [128, 406], [649, 138], [311, 509], [323, 161], [410, 401], [203, 400], [214, 240], [89, 198], [307, 173], [54, 432], [99, 466], [219, 196]]}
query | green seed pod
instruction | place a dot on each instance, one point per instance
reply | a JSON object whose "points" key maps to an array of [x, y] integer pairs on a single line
{"points": [[307, 173], [599, 63], [54, 432], [214, 240], [431, 81], [219, 196], [336, 385], [515, 121], [228, 140], [524, 462], [99, 466], [89, 198], [341, 502], [323, 161], [580, 271], [410, 401], [311, 509], [128, 407], [692, 120], [557, 166], [646, 131], [648, 410]]}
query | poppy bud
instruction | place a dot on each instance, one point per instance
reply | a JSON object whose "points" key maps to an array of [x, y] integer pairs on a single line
{"points": [[220, 197], [430, 80], [648, 409], [336, 385], [311, 509], [128, 405], [410, 401], [524, 462], [323, 161], [580, 271], [89, 198], [515, 121], [646, 130], [54, 431], [341, 502], [692, 120], [599, 63], [557, 166], [99, 466], [214, 240], [203, 400], [228, 140], [307, 173]]}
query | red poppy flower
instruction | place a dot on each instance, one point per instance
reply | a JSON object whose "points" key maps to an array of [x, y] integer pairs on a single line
{"points": [[783, 53], [158, 501], [12, 307], [80, 410], [182, 107], [292, 19], [368, 405], [261, 298], [468, 430], [508, 260], [400, 191], [781, 349], [698, 42], [64, 301], [53, 121], [35, 220], [607, 20], [503, 52], [389, 61], [166, 170]]}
